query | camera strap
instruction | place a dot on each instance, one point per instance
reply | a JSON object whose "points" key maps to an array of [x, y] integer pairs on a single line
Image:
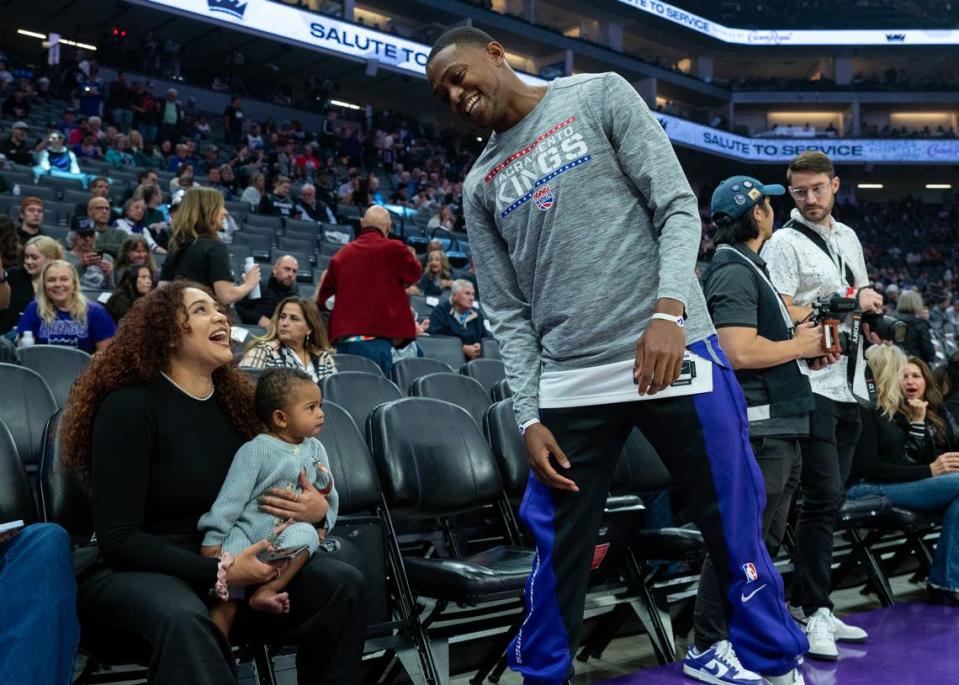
{"points": [[844, 270]]}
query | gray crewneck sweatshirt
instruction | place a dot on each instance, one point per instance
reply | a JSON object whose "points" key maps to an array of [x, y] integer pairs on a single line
{"points": [[580, 218]]}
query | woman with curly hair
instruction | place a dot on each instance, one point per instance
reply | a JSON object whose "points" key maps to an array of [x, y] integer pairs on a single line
{"points": [[296, 339], [156, 422], [61, 315], [905, 454]]}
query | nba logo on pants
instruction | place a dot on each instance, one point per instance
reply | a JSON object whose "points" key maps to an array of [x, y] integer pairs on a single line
{"points": [[750, 572], [543, 197]]}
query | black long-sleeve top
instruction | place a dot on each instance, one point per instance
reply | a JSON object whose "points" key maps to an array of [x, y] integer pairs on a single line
{"points": [[159, 459], [891, 451]]}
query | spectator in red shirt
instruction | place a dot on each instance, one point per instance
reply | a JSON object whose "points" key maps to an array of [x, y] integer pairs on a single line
{"points": [[369, 277]]}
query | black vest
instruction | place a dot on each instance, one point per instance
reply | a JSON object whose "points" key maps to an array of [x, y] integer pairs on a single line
{"points": [[789, 391]]}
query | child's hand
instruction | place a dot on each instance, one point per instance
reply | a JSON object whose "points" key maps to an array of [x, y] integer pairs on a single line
{"points": [[322, 533], [211, 551]]}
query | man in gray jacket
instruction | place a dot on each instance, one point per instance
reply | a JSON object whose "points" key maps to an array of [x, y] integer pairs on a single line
{"points": [[577, 174]]}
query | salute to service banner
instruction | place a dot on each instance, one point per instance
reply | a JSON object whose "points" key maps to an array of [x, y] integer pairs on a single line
{"points": [[729, 34], [290, 24], [848, 151]]}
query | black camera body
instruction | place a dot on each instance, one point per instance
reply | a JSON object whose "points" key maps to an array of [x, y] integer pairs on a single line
{"points": [[831, 311]]}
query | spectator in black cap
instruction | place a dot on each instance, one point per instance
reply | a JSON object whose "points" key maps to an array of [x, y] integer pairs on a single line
{"points": [[93, 267], [15, 147]]}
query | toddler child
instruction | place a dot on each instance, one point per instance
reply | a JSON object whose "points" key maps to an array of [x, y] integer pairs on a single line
{"points": [[288, 403]]}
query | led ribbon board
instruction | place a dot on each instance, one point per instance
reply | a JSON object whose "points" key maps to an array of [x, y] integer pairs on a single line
{"points": [[318, 31], [844, 37], [782, 150]]}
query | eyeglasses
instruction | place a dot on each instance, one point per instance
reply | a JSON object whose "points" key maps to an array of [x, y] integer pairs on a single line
{"points": [[819, 191]]}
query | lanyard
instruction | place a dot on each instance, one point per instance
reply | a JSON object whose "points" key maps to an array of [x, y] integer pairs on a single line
{"points": [[782, 307]]}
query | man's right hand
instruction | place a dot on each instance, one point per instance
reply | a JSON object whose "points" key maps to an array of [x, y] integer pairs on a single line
{"points": [[870, 301], [540, 444], [472, 351], [808, 341], [90, 258]]}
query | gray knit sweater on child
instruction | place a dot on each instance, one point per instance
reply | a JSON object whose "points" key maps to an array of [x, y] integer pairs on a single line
{"points": [[235, 520]]}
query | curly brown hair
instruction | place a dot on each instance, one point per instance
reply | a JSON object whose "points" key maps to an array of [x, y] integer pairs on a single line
{"points": [[139, 352]]}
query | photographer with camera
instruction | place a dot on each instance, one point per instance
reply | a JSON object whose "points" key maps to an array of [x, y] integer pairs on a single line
{"points": [[816, 260], [768, 351]]}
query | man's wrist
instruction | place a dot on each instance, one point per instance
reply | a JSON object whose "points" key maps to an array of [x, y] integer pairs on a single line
{"points": [[523, 427], [667, 305]]}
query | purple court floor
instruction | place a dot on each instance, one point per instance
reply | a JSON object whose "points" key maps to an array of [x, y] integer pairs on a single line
{"points": [[913, 643]]}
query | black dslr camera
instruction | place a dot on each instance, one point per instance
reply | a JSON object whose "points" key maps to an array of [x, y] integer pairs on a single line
{"points": [[831, 311]]}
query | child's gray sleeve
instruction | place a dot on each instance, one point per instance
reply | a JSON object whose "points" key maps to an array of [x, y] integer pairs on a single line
{"points": [[235, 493]]}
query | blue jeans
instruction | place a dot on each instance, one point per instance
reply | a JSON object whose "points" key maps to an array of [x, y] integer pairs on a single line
{"points": [[39, 631], [936, 494], [379, 350]]}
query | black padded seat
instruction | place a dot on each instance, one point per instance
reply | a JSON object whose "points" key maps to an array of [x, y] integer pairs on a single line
{"points": [[855, 512], [676, 544], [500, 571]]}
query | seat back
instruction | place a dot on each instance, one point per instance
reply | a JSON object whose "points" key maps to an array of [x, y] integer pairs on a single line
{"points": [[489, 349], [405, 371], [358, 393], [351, 463], [639, 470], [16, 499], [500, 391], [504, 437], [355, 362], [452, 387], [25, 406], [64, 496], [420, 306], [58, 365], [488, 372], [432, 459], [445, 348]]}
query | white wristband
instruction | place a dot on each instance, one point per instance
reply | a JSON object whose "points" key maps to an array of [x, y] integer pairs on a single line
{"points": [[526, 424], [678, 320]]}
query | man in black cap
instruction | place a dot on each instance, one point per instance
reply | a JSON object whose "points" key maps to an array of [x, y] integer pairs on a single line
{"points": [[767, 349], [15, 147], [93, 266]]}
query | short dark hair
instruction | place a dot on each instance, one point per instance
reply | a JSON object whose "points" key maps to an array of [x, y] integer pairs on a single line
{"points": [[273, 391], [730, 230], [461, 35], [811, 161]]}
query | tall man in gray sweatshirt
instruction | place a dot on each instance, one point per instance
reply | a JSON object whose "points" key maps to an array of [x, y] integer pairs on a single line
{"points": [[585, 234]]}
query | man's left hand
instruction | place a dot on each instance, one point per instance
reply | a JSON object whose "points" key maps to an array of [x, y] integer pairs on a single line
{"points": [[659, 356], [309, 506]]}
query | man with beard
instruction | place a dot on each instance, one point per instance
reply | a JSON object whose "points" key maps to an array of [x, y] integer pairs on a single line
{"points": [[590, 357], [811, 257], [282, 284]]}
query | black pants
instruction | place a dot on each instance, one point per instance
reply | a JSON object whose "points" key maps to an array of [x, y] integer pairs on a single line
{"points": [[780, 462], [704, 442], [827, 454], [168, 623]]}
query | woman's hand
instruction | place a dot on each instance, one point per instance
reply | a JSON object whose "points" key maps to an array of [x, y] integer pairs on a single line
{"points": [[247, 569], [947, 462], [252, 277], [917, 410], [309, 506]]}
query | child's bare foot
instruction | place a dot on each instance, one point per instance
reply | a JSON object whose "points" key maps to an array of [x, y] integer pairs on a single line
{"points": [[271, 602]]}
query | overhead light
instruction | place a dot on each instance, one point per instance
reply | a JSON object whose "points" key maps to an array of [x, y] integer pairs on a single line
{"points": [[938, 186], [479, 139], [870, 186], [347, 105], [43, 36]]}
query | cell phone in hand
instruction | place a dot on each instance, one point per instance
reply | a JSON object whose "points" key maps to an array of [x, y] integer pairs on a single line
{"points": [[283, 554], [10, 525]]}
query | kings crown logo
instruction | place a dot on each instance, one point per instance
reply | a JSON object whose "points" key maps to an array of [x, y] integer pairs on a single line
{"points": [[235, 8]]}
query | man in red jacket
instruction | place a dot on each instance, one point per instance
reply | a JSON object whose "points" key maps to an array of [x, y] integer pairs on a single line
{"points": [[369, 277]]}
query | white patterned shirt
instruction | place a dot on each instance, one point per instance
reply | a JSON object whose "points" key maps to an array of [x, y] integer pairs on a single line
{"points": [[800, 269]]}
